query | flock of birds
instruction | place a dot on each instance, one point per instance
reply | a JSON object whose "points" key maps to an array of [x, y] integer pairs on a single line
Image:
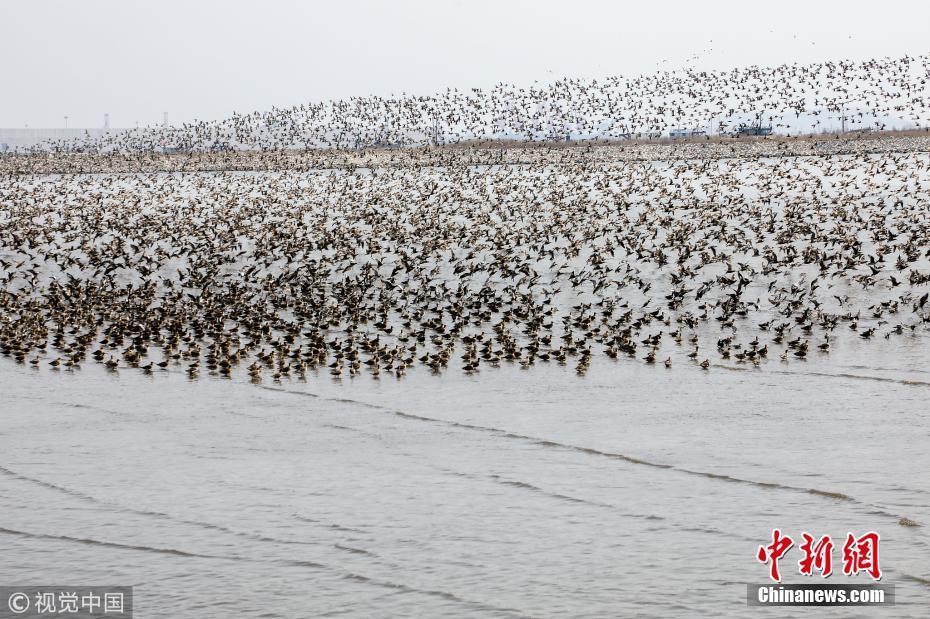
{"points": [[794, 98], [287, 274]]}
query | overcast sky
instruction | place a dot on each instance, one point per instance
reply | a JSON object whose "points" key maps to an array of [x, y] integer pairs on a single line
{"points": [[204, 59]]}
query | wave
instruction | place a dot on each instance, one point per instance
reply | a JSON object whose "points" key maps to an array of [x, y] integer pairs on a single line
{"points": [[348, 575], [918, 579], [827, 494], [49, 485], [94, 542], [846, 375], [258, 537], [328, 525]]}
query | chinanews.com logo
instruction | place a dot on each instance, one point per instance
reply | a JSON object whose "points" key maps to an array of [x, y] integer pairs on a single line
{"points": [[859, 555]]}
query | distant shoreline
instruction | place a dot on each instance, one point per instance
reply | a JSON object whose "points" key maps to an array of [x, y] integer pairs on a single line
{"points": [[489, 152], [704, 139]]}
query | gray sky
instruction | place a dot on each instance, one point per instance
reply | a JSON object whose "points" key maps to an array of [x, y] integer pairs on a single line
{"points": [[204, 58]]}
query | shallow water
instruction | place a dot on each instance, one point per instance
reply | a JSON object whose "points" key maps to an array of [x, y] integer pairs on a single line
{"points": [[634, 490]]}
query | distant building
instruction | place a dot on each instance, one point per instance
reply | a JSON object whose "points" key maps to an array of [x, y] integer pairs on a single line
{"points": [[686, 133], [747, 130], [754, 129], [27, 137]]}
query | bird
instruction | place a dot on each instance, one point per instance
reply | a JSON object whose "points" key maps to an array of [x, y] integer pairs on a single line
{"points": [[397, 260]]}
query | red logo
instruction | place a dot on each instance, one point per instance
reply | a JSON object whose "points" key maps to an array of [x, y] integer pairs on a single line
{"points": [[817, 556], [773, 552], [860, 554]]}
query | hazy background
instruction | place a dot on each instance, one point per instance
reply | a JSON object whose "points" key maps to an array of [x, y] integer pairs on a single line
{"points": [[205, 59]]}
